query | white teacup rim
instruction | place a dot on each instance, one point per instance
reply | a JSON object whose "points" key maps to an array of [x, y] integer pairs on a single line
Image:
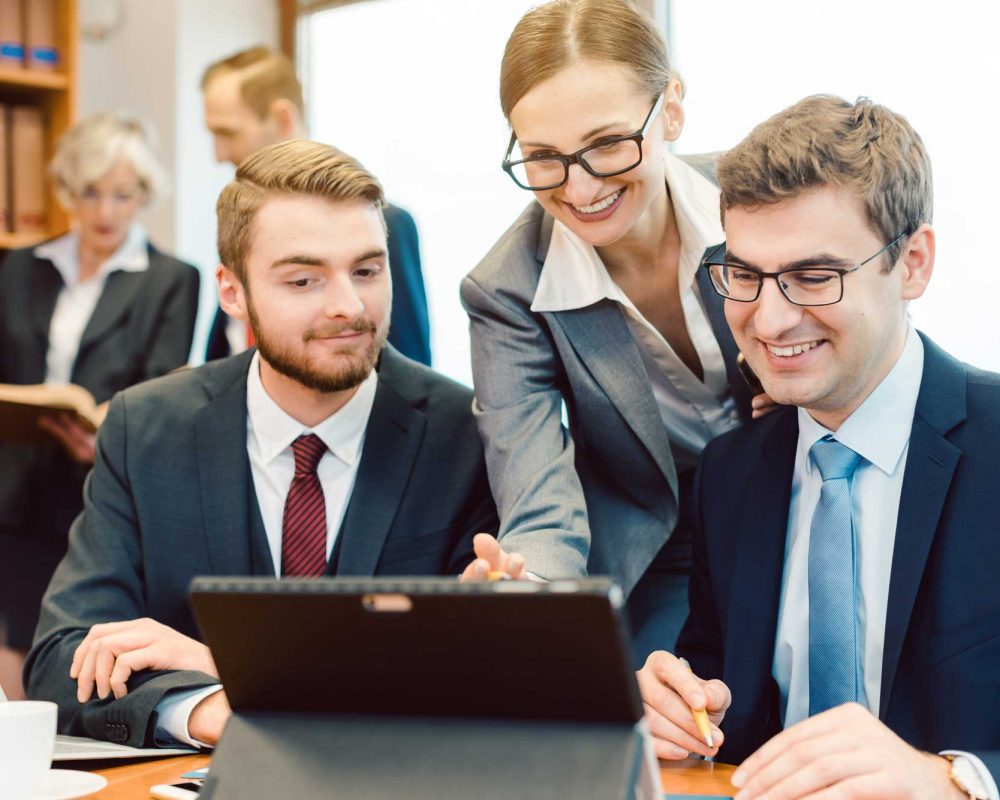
{"points": [[20, 708]]}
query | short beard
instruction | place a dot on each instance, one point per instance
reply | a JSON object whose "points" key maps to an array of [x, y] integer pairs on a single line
{"points": [[297, 367]]}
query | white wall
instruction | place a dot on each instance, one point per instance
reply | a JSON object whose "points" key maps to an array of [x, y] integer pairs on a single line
{"points": [[423, 113], [152, 66], [133, 70]]}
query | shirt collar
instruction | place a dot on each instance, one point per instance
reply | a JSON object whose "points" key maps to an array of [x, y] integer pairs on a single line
{"points": [[131, 256], [573, 275], [342, 432], [879, 429]]}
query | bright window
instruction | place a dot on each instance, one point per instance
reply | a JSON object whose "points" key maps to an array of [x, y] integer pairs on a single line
{"points": [[933, 62], [411, 88]]}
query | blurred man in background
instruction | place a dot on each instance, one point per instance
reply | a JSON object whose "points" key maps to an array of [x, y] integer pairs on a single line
{"points": [[253, 99]]}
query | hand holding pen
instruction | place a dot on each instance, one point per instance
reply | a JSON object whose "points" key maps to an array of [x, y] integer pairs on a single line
{"points": [[674, 698]]}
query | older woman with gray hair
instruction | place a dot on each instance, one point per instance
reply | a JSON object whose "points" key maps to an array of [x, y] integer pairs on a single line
{"points": [[100, 307]]}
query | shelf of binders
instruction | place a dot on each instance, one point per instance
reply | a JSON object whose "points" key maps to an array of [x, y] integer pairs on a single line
{"points": [[49, 28], [15, 241], [33, 79]]}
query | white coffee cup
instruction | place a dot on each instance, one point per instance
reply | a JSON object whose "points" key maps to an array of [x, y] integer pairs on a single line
{"points": [[27, 739]]}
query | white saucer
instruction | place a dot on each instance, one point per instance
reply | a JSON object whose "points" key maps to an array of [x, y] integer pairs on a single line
{"points": [[68, 784]]}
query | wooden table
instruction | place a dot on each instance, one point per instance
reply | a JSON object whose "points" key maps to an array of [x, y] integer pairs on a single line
{"points": [[693, 776], [132, 781]]}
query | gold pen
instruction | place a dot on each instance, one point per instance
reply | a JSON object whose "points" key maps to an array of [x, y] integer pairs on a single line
{"points": [[497, 575], [701, 715]]}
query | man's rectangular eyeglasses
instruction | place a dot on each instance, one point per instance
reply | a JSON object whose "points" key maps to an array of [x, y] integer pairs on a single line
{"points": [[610, 156], [802, 286]]}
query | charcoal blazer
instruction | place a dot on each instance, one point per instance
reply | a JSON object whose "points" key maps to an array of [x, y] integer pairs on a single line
{"points": [[171, 497], [941, 660], [141, 328], [604, 499]]}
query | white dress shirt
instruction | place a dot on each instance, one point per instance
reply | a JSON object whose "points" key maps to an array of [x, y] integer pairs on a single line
{"points": [[270, 433], [879, 431], [77, 299], [573, 276]]}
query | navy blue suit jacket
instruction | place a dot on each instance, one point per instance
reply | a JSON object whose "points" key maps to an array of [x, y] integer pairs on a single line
{"points": [[941, 662], [410, 331]]}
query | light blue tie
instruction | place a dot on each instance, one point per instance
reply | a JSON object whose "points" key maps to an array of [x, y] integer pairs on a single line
{"points": [[834, 662]]}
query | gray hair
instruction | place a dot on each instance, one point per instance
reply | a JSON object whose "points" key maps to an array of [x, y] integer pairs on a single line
{"points": [[92, 147]]}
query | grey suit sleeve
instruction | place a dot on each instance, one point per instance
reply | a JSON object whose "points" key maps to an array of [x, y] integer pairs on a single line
{"points": [[529, 452], [100, 580]]}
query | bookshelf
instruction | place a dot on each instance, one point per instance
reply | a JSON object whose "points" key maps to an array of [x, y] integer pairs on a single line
{"points": [[55, 93]]}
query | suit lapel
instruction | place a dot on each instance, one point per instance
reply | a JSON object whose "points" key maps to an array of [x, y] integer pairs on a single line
{"points": [[601, 338], [715, 309], [46, 283], [930, 466], [224, 469], [392, 441], [756, 587], [115, 301]]}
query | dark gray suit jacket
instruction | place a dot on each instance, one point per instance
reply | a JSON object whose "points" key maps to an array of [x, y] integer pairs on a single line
{"points": [[603, 499], [141, 328], [171, 497]]}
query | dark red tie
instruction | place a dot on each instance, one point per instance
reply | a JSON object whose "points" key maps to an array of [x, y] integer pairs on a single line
{"points": [[303, 530]]}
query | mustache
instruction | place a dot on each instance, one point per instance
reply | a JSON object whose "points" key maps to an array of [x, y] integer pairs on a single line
{"points": [[362, 325]]}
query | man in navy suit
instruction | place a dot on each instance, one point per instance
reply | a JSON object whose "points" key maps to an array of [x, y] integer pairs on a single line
{"points": [[253, 99], [844, 632]]}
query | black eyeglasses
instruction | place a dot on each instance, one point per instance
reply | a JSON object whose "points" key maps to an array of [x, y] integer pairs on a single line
{"points": [[611, 156], [802, 286]]}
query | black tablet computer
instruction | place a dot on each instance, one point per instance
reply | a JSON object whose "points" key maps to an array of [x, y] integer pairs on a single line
{"points": [[433, 647]]}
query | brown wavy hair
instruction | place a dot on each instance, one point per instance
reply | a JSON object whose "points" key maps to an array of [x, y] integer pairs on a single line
{"points": [[826, 141], [554, 35], [287, 168]]}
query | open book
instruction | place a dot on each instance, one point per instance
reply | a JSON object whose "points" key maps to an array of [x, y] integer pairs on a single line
{"points": [[21, 406]]}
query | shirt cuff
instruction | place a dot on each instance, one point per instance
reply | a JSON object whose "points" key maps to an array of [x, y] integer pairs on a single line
{"points": [[173, 712], [984, 774]]}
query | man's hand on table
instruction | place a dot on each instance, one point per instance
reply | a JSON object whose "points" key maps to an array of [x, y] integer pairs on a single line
{"points": [[111, 652], [843, 753]]}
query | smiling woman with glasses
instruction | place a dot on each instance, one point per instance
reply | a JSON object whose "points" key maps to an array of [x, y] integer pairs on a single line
{"points": [[601, 358], [608, 157], [99, 307]]}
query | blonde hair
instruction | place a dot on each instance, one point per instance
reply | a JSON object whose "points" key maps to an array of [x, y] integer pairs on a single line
{"points": [[554, 35], [825, 140], [288, 168], [92, 147], [265, 75]]}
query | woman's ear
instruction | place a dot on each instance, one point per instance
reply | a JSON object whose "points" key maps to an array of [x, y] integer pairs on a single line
{"points": [[673, 110]]}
